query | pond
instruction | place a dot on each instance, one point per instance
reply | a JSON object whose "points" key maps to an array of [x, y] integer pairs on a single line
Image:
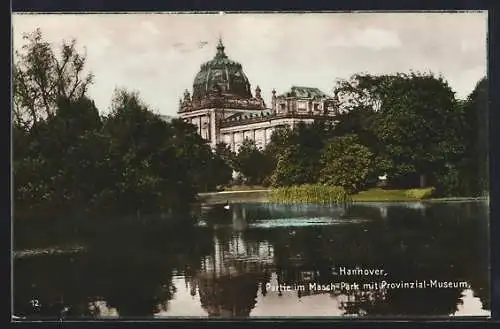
{"points": [[265, 260]]}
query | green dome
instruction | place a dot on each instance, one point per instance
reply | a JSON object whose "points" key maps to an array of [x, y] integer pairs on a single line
{"points": [[221, 75]]}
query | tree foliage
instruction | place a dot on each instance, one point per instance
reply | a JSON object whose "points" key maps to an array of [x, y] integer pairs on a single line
{"points": [[346, 163], [413, 122], [297, 152], [68, 158], [468, 175], [476, 136], [412, 126], [41, 77], [252, 163]]}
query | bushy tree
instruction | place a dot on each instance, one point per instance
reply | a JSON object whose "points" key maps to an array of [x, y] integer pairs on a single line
{"points": [[252, 163], [346, 163], [414, 121], [476, 138], [296, 153], [224, 152], [67, 158], [223, 163], [468, 176], [41, 77], [291, 169]]}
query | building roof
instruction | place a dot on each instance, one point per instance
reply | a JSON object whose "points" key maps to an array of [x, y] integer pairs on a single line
{"points": [[248, 115], [305, 92], [221, 75]]}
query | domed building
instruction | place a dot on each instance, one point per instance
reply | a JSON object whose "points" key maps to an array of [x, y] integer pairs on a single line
{"points": [[223, 108], [221, 75]]}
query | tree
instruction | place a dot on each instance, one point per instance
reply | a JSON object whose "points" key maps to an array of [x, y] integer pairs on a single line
{"points": [[468, 176], [291, 168], [41, 78], [54, 160], [361, 92], [195, 155], [224, 152], [147, 167], [346, 163], [419, 124], [415, 120], [280, 140], [252, 163], [67, 158], [476, 137], [223, 163], [296, 153]]}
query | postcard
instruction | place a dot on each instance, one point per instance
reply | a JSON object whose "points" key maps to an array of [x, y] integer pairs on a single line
{"points": [[250, 165]]}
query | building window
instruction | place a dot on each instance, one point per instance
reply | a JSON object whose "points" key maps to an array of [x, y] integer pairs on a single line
{"points": [[302, 106]]}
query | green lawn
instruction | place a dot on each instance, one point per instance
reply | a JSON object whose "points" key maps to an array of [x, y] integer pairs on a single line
{"points": [[378, 194]]}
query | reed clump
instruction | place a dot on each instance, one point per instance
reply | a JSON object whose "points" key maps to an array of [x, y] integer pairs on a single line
{"points": [[308, 193]]}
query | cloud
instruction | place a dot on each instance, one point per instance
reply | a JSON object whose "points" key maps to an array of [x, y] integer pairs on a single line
{"points": [[189, 47], [276, 50], [469, 45], [150, 27], [372, 38]]}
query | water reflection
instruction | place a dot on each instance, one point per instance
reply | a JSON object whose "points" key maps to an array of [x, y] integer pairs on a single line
{"points": [[249, 262], [101, 309]]}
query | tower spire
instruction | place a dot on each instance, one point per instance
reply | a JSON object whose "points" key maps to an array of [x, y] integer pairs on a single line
{"points": [[220, 47]]}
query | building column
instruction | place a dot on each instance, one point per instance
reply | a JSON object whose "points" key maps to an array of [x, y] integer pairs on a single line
{"points": [[213, 128], [233, 146]]}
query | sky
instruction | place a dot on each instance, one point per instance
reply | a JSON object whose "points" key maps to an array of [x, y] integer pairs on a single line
{"points": [[159, 54]]}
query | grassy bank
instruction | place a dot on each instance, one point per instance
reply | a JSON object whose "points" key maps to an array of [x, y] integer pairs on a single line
{"points": [[323, 195], [378, 194]]}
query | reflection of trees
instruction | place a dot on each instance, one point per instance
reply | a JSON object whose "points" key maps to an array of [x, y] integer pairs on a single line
{"points": [[131, 286], [444, 242], [132, 272], [275, 211], [447, 244], [216, 214], [360, 302]]}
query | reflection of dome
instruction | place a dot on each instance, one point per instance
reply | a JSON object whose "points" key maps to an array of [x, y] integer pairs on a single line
{"points": [[237, 256], [228, 296], [221, 75]]}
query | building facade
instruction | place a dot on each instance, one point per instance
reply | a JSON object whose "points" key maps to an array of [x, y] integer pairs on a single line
{"points": [[223, 108]]}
